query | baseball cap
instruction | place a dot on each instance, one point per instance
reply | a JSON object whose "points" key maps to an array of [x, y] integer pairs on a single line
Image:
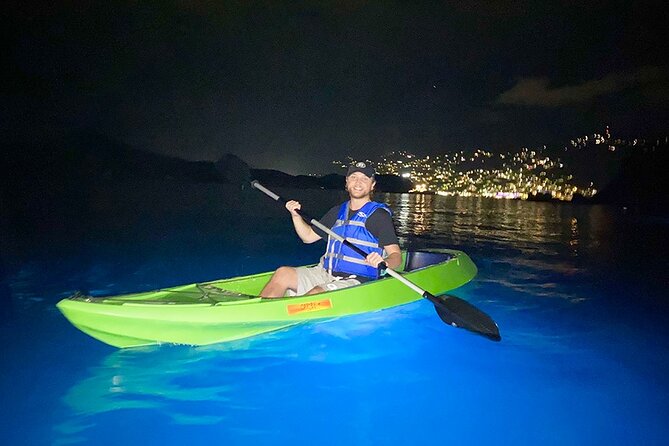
{"points": [[361, 167]]}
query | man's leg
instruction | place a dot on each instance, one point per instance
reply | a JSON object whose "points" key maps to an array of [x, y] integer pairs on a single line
{"points": [[284, 278]]}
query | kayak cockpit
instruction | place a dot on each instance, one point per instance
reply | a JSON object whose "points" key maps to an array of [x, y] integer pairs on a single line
{"points": [[240, 289], [421, 259]]}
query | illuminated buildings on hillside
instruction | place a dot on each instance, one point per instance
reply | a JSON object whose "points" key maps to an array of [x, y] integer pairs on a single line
{"points": [[523, 174]]}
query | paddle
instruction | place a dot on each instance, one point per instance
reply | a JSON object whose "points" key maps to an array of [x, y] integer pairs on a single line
{"points": [[452, 310]]}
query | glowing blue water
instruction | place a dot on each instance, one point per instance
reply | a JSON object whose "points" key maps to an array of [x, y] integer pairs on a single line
{"points": [[578, 293]]}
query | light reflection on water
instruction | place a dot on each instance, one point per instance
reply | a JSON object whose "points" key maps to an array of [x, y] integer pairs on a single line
{"points": [[497, 224]]}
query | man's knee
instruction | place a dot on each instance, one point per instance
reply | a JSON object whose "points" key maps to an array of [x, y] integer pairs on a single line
{"points": [[285, 275]]}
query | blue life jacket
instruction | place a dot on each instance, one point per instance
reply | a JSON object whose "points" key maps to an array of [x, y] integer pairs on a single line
{"points": [[339, 257]]}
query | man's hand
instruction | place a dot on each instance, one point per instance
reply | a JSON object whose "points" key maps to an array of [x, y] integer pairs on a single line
{"points": [[374, 259], [293, 206]]}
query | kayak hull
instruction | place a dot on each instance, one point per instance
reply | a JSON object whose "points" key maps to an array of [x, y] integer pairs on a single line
{"points": [[229, 309]]}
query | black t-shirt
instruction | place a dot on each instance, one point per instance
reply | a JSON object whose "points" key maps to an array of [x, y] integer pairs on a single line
{"points": [[380, 224]]}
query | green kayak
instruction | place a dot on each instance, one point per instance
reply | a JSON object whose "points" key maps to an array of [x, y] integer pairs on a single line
{"points": [[229, 309]]}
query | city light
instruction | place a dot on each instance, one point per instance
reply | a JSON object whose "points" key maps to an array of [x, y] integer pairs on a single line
{"points": [[523, 174]]}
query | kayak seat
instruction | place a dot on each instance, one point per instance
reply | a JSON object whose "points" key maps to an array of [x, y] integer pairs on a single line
{"points": [[421, 259]]}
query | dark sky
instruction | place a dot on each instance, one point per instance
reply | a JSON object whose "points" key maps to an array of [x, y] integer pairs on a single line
{"points": [[294, 85]]}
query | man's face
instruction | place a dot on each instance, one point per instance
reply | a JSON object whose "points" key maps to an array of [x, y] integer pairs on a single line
{"points": [[359, 185]]}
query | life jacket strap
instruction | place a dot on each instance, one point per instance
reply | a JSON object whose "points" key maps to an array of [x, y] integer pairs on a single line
{"points": [[357, 260]]}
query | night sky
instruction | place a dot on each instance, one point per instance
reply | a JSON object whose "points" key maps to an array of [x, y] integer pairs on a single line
{"points": [[294, 85]]}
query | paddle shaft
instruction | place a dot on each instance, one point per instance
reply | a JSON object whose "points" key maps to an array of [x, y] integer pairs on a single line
{"points": [[334, 235]]}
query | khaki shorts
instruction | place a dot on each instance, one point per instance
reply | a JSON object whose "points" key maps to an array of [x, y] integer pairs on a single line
{"points": [[313, 276]]}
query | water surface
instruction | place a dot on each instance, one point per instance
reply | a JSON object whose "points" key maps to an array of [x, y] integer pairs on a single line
{"points": [[578, 293]]}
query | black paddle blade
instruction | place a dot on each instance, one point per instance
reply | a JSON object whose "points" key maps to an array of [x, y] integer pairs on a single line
{"points": [[233, 170], [461, 314]]}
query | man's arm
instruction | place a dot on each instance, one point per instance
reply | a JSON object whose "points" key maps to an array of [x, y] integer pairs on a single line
{"points": [[394, 259], [381, 225]]}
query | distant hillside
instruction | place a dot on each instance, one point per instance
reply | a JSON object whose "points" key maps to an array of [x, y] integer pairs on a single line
{"points": [[384, 183], [594, 163], [75, 161], [641, 184], [86, 155]]}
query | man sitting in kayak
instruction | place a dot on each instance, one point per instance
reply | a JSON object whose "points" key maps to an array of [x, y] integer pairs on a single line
{"points": [[358, 221]]}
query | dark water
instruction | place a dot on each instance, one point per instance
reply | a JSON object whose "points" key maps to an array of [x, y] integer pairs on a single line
{"points": [[578, 293]]}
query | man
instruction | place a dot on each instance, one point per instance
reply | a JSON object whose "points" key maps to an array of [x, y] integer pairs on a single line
{"points": [[363, 222]]}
